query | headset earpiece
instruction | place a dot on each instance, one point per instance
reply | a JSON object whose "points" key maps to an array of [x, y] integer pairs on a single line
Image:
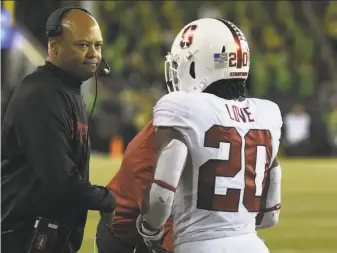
{"points": [[53, 26]]}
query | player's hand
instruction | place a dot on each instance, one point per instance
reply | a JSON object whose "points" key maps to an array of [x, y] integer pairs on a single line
{"points": [[107, 218], [154, 241]]}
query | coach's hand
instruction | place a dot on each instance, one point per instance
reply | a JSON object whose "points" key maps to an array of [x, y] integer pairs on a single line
{"points": [[107, 218], [154, 241]]}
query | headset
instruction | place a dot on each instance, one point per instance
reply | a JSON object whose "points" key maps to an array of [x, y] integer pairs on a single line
{"points": [[54, 29]]}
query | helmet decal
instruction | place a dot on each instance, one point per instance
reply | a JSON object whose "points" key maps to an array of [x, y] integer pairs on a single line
{"points": [[187, 36], [237, 59]]}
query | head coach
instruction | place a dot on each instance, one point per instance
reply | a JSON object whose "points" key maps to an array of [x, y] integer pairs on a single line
{"points": [[45, 152]]}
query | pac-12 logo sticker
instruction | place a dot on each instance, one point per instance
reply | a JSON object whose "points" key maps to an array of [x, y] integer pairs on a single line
{"points": [[187, 36]]}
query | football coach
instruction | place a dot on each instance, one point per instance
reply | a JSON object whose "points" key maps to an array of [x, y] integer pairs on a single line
{"points": [[45, 151]]}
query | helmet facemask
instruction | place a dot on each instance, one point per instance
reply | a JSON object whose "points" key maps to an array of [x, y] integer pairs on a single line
{"points": [[175, 68], [173, 81]]}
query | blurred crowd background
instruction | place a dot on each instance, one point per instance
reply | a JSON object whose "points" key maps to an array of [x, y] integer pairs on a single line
{"points": [[293, 62]]}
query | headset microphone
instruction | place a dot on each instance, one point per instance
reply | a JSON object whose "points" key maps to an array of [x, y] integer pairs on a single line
{"points": [[106, 71]]}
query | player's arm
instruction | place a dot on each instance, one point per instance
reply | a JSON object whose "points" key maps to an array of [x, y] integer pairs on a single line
{"points": [[170, 113], [271, 198], [172, 154]]}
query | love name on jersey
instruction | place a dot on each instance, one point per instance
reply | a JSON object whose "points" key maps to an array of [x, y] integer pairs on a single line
{"points": [[239, 114]]}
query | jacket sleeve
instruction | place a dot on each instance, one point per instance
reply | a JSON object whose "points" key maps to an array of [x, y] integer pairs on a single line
{"points": [[43, 125]]}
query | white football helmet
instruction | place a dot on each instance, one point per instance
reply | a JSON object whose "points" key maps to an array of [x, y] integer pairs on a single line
{"points": [[205, 51]]}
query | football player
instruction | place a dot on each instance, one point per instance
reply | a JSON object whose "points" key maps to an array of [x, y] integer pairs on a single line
{"points": [[216, 167], [133, 178]]}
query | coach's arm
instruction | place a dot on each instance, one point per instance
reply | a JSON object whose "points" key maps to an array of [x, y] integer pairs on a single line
{"points": [[43, 124]]}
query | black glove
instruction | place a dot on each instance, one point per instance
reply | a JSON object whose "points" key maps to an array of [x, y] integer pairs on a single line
{"points": [[152, 242], [107, 218], [108, 203]]}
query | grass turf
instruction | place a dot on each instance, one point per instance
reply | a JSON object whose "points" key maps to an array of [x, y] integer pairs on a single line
{"points": [[308, 221]]}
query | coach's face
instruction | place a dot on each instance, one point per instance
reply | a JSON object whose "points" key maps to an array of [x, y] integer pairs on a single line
{"points": [[79, 50]]}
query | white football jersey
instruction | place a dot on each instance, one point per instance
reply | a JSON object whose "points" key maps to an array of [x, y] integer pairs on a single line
{"points": [[232, 145]]}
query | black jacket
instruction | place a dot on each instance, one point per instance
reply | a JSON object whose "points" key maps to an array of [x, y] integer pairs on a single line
{"points": [[44, 166]]}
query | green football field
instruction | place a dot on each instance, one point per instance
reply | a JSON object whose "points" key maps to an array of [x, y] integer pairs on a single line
{"points": [[308, 221]]}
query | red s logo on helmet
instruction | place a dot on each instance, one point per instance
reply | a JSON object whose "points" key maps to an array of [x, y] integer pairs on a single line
{"points": [[187, 36]]}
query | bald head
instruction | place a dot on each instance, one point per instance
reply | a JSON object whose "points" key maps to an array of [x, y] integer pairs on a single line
{"points": [[78, 49], [79, 25]]}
